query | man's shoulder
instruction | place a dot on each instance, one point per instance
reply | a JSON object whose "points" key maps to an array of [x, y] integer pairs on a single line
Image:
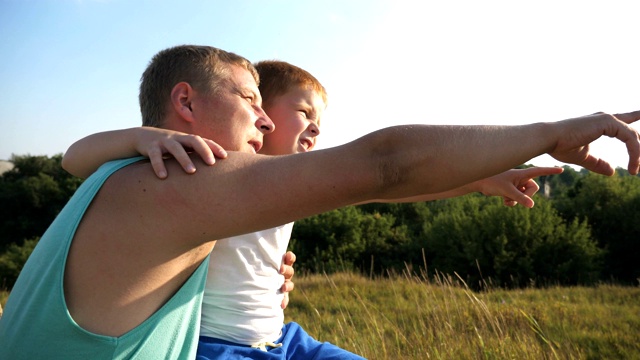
{"points": [[116, 165], [124, 170]]}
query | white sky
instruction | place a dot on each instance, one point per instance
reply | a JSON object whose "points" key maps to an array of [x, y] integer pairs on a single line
{"points": [[72, 68]]}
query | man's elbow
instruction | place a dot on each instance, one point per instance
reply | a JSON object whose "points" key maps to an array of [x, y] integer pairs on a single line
{"points": [[389, 175]]}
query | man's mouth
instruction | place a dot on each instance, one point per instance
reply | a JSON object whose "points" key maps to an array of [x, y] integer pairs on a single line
{"points": [[257, 145]]}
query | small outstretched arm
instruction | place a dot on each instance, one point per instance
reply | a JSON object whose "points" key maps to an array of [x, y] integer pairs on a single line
{"points": [[515, 186]]}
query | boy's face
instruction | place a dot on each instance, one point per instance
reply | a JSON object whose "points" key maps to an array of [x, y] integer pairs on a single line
{"points": [[296, 115]]}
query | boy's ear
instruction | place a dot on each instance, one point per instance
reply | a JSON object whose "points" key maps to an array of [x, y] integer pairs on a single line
{"points": [[181, 97]]}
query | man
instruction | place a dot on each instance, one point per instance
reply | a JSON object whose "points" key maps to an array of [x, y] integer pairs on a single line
{"points": [[130, 283]]}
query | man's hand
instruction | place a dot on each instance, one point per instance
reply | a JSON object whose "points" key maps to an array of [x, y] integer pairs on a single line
{"points": [[576, 135], [287, 270]]}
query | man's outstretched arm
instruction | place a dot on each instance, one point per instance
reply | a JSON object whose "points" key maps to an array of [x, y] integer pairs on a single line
{"points": [[142, 237], [249, 192]]}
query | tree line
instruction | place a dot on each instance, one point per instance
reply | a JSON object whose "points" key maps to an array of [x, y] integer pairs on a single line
{"points": [[585, 231]]}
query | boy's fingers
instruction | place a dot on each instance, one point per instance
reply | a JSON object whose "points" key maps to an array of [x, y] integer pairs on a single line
{"points": [[526, 201], [286, 268], [217, 149], [285, 301], [289, 258], [180, 154], [287, 271], [509, 202], [530, 188], [204, 149], [159, 169], [157, 162], [287, 286], [519, 197]]}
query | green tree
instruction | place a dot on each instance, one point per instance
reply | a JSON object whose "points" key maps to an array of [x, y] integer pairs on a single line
{"points": [[611, 205], [480, 238], [32, 194], [409, 219], [410, 215], [347, 239], [12, 261], [560, 183]]}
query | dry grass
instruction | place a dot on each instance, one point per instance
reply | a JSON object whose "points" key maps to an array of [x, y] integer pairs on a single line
{"points": [[408, 317]]}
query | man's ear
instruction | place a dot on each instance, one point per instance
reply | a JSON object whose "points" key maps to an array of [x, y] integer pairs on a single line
{"points": [[181, 97]]}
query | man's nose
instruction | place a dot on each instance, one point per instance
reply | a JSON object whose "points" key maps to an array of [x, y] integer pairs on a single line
{"points": [[264, 123]]}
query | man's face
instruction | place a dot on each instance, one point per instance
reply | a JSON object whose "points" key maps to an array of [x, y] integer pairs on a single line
{"points": [[232, 116], [297, 115]]}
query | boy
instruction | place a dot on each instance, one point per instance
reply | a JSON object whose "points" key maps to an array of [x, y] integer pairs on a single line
{"points": [[240, 300]]}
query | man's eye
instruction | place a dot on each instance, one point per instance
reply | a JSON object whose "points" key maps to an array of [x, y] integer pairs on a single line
{"points": [[249, 99]]}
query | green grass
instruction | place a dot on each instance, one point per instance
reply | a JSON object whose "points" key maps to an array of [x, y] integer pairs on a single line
{"points": [[412, 318], [408, 317]]}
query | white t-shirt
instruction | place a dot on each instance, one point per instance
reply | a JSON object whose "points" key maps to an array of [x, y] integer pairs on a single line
{"points": [[242, 295]]}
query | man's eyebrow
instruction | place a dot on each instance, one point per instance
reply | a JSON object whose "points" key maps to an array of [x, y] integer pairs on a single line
{"points": [[248, 90], [245, 89], [256, 94]]}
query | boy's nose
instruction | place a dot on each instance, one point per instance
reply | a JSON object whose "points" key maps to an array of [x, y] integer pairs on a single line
{"points": [[314, 129]]}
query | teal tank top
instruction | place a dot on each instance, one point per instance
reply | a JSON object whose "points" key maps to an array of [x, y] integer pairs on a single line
{"points": [[36, 323]]}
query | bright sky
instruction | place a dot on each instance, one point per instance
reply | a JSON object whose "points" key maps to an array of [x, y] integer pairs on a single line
{"points": [[70, 68]]}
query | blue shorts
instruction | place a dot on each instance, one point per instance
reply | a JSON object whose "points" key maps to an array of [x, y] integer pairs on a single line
{"points": [[296, 344]]}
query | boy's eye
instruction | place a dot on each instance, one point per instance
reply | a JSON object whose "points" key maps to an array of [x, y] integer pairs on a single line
{"points": [[304, 112]]}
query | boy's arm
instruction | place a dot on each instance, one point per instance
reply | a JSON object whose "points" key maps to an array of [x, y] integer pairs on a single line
{"points": [[86, 155], [514, 186]]}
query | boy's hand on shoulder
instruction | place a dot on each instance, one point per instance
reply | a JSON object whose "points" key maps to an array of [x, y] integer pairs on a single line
{"points": [[158, 144]]}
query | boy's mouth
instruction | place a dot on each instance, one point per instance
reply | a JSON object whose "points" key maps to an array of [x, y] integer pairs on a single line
{"points": [[306, 144]]}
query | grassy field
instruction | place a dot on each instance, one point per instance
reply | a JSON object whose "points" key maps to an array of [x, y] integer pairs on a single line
{"points": [[410, 318], [402, 317]]}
